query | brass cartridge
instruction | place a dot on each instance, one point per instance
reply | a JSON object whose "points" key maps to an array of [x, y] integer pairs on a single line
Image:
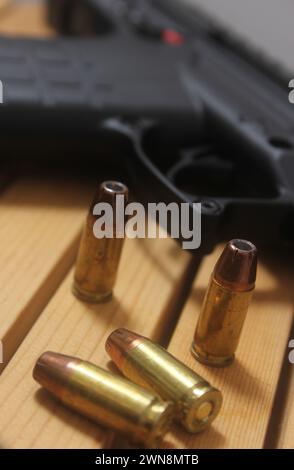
{"points": [[225, 305], [151, 366], [98, 258], [105, 398]]}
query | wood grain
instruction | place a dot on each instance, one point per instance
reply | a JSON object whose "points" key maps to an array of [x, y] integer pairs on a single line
{"points": [[40, 224], [249, 385], [151, 275]]}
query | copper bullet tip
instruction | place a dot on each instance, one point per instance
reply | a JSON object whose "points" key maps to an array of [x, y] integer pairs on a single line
{"points": [[119, 342], [52, 369], [236, 267]]}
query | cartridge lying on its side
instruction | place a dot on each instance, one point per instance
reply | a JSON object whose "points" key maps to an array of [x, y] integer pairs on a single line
{"points": [[149, 365], [225, 305], [98, 258], [105, 398]]}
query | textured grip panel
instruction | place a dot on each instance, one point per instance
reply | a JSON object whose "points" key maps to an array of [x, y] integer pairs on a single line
{"points": [[99, 78], [47, 73]]}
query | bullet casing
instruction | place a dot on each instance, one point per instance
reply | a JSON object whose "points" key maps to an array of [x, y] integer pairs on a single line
{"points": [[220, 325], [98, 258], [105, 398], [225, 305], [151, 366]]}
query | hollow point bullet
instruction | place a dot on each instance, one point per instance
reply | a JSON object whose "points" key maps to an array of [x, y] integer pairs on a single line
{"points": [[225, 305], [151, 366], [105, 398], [98, 258]]}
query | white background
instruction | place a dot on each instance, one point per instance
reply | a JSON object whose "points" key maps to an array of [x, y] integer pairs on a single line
{"points": [[267, 24]]}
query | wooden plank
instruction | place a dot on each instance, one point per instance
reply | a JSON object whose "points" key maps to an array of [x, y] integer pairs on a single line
{"points": [[25, 19], [40, 224], [151, 276], [248, 385]]}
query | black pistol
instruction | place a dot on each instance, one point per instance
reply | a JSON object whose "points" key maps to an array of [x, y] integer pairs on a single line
{"points": [[206, 119]]}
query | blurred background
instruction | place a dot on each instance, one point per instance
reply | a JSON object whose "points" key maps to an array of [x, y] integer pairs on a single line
{"points": [[265, 24]]}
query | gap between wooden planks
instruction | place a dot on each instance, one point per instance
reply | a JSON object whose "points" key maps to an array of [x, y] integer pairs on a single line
{"points": [[40, 225], [249, 385], [150, 280]]}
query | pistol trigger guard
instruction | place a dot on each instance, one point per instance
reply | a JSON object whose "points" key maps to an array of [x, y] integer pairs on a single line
{"points": [[133, 131]]}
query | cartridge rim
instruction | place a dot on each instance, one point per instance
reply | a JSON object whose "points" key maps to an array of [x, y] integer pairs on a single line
{"points": [[200, 413], [93, 298], [210, 360], [161, 415]]}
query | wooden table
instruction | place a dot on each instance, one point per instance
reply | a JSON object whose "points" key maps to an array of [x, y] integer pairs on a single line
{"points": [[40, 225]]}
